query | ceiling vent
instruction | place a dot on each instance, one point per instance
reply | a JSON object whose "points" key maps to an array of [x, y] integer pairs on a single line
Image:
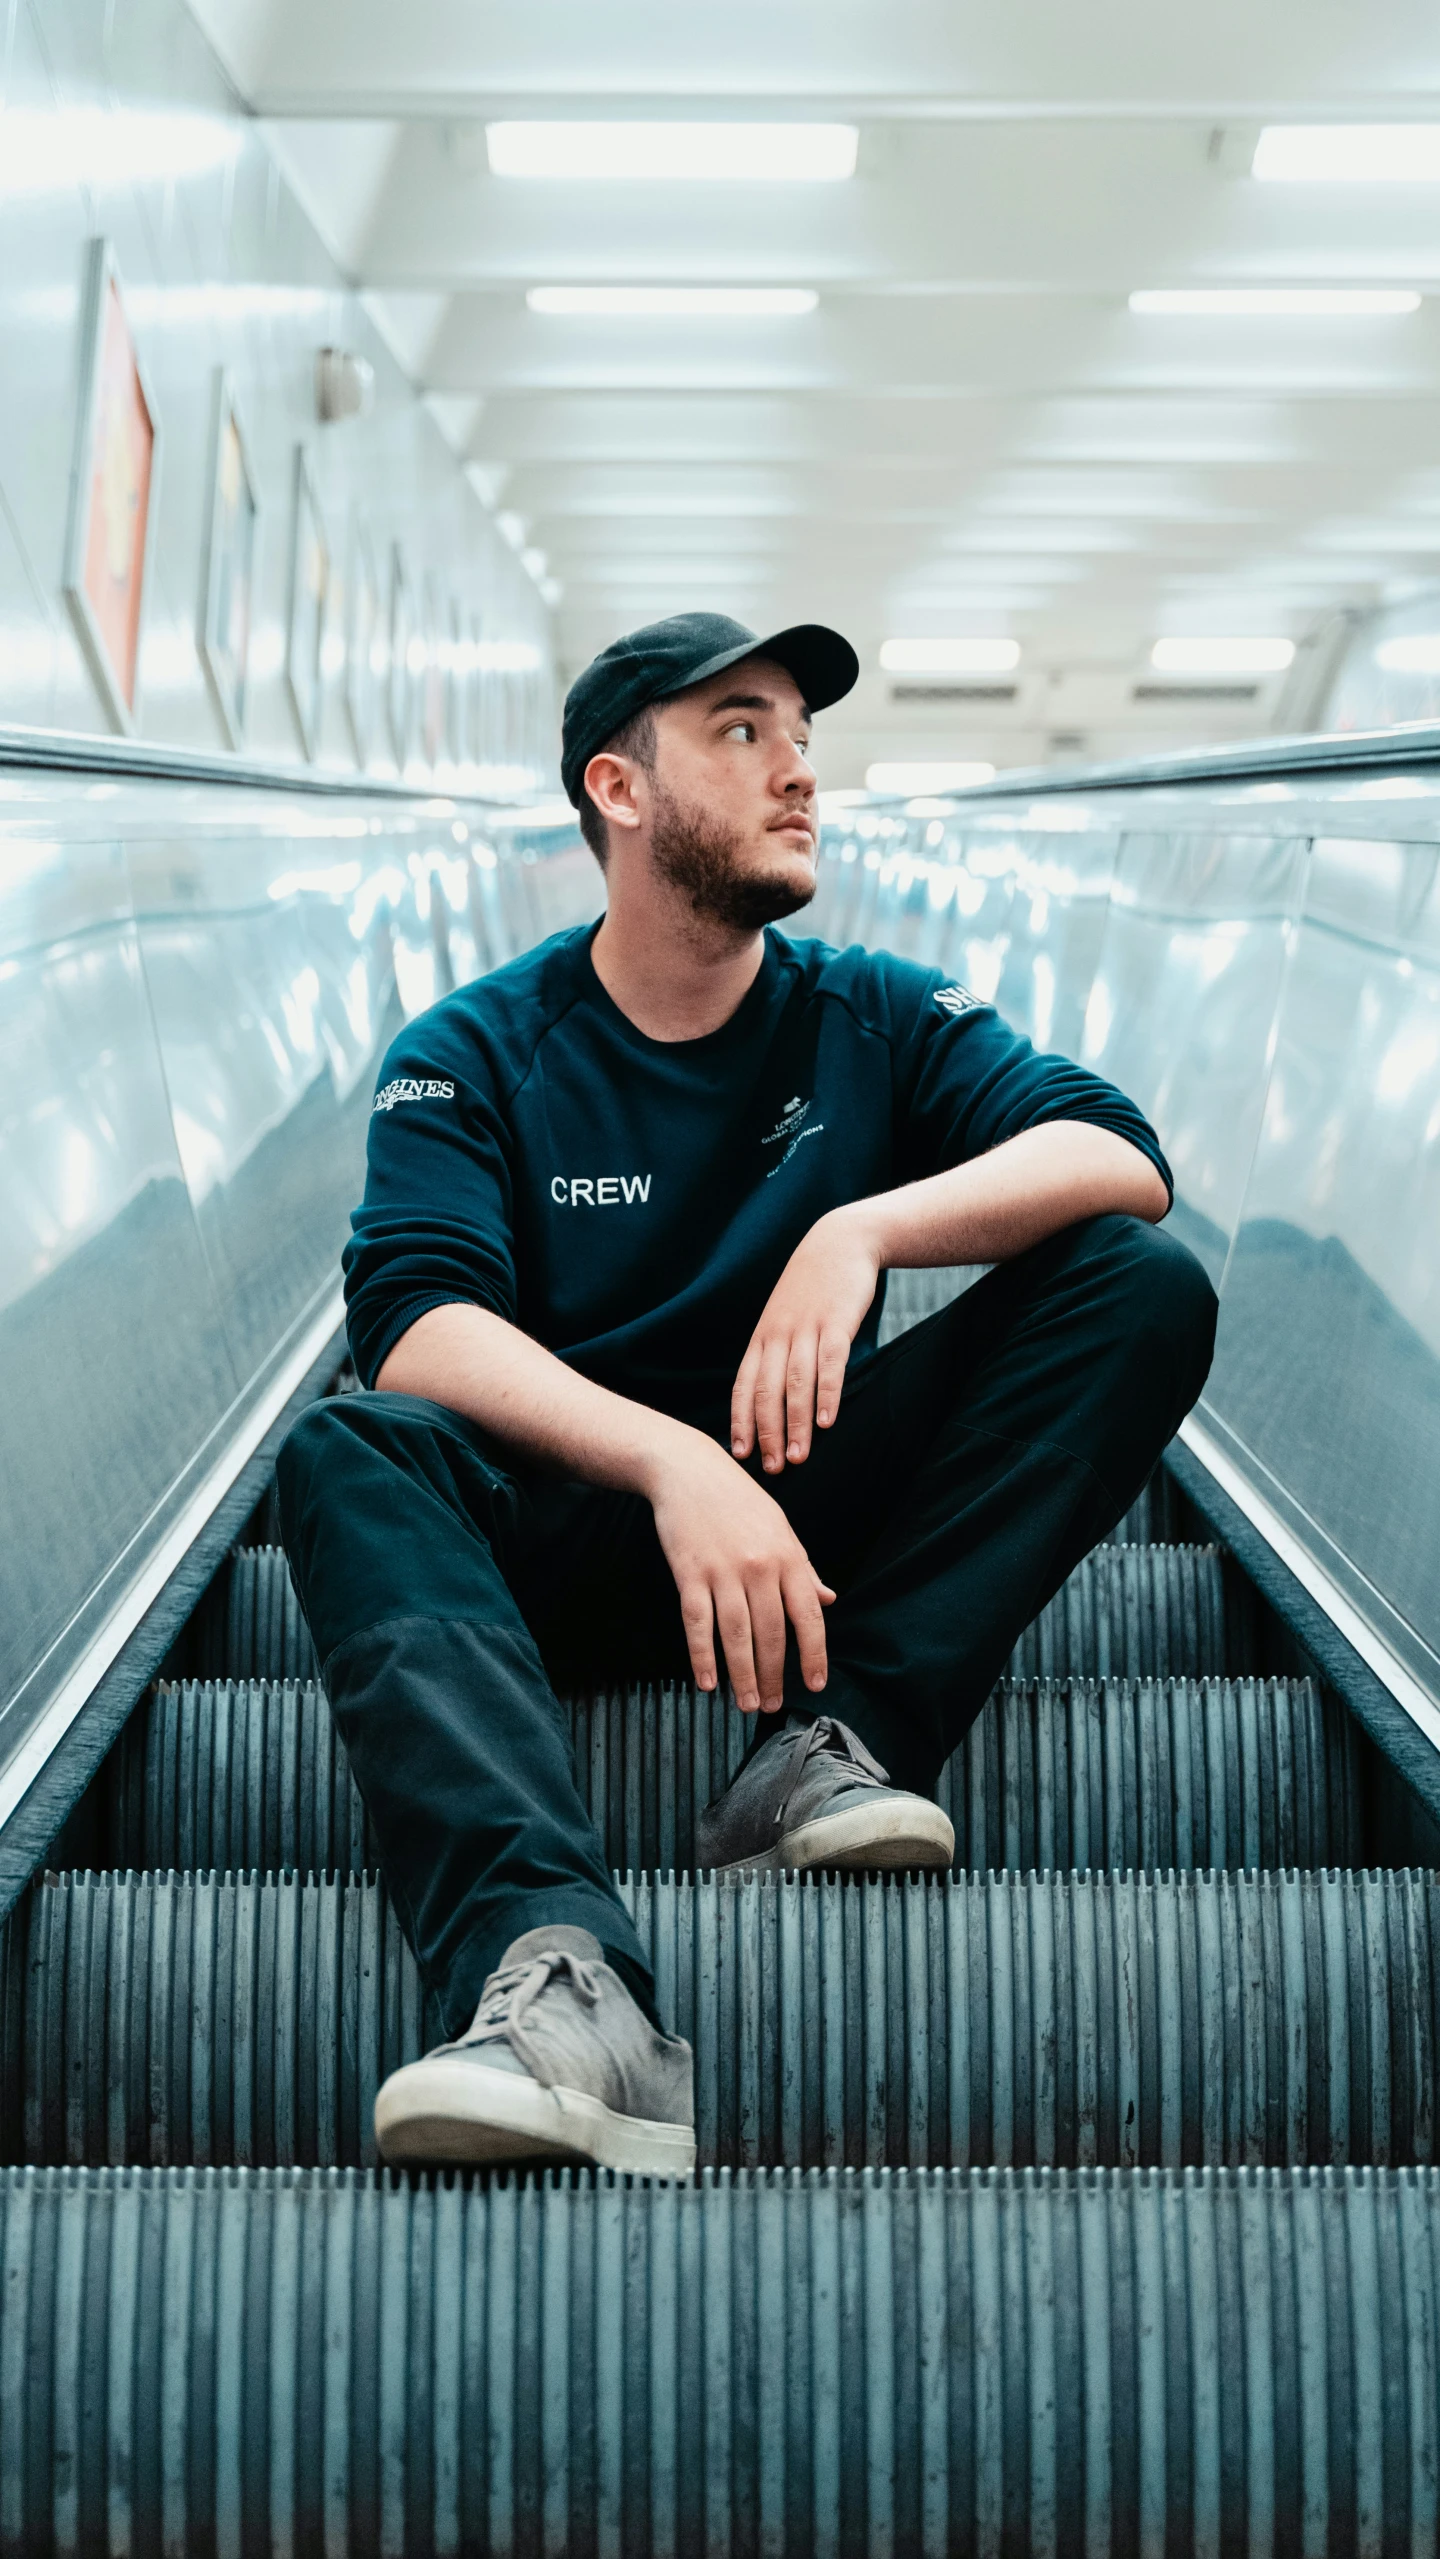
{"points": [[1196, 692], [953, 692]]}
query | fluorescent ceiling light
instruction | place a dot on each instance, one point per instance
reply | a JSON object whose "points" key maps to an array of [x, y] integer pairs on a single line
{"points": [[773, 154], [1349, 154], [949, 657], [1279, 302], [672, 301], [1222, 657], [925, 781], [1417, 653]]}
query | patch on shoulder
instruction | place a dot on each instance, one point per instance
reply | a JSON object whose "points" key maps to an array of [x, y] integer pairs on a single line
{"points": [[413, 1088], [957, 999]]}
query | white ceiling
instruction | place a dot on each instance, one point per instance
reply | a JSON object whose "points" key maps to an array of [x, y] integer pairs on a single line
{"points": [[972, 433]]}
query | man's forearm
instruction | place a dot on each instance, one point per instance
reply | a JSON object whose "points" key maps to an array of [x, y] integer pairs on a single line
{"points": [[478, 1365], [1015, 1196], [740, 1570]]}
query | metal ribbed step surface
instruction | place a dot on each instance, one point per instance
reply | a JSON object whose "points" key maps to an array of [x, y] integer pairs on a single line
{"points": [[869, 2325], [1210, 1774], [1126, 1612], [821, 2364], [1223, 2020]]}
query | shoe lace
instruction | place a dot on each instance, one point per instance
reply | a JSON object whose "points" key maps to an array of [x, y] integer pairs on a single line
{"points": [[827, 1734], [511, 1993]]}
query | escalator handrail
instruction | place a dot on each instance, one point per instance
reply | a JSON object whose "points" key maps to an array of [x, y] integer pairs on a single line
{"points": [[1268, 759], [127, 759]]}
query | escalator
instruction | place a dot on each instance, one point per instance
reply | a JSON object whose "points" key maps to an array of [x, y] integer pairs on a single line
{"points": [[1082, 2199]]}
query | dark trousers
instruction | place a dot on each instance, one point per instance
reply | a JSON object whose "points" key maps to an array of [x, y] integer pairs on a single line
{"points": [[450, 1587]]}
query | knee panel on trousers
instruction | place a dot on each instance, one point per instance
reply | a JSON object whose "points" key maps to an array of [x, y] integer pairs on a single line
{"points": [[390, 1507], [1164, 1311]]}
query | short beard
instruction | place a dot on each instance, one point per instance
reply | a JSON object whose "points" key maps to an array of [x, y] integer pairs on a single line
{"points": [[700, 856]]}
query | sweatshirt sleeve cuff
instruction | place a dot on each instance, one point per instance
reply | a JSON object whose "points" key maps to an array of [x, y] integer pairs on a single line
{"points": [[371, 1353]]}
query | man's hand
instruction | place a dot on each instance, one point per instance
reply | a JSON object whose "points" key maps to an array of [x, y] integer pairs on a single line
{"points": [[738, 1565], [987, 1210], [790, 1378], [737, 1561]]}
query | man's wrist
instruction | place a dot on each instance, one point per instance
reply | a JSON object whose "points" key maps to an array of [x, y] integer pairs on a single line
{"points": [[661, 1444], [872, 1226]]}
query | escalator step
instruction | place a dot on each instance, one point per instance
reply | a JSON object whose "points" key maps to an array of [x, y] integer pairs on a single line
{"points": [[1158, 1774], [818, 2363], [1225, 2020], [1126, 1612], [1052, 1774]]}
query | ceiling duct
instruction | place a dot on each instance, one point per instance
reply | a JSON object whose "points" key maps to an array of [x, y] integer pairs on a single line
{"points": [[954, 692], [1196, 693]]}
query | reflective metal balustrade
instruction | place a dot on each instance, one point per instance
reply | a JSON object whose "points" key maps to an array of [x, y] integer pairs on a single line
{"points": [[197, 981], [1255, 956], [199, 973]]}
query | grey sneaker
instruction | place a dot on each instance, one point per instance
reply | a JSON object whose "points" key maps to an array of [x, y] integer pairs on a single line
{"points": [[558, 2064], [813, 1796]]}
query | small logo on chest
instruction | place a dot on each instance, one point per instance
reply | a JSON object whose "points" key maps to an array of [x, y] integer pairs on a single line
{"points": [[791, 1128]]}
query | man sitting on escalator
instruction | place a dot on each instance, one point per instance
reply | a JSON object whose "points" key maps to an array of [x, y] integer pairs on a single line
{"points": [[615, 1287]]}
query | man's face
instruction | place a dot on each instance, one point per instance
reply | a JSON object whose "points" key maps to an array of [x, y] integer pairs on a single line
{"points": [[733, 820]]}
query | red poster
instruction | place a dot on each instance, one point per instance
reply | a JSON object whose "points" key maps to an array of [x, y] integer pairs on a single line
{"points": [[122, 456]]}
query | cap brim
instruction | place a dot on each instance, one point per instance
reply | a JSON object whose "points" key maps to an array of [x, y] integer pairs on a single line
{"points": [[822, 662]]}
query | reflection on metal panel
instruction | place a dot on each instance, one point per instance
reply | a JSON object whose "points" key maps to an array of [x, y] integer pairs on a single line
{"points": [[1183, 1004], [1016, 914], [112, 1368], [1328, 1376], [197, 982], [1258, 963], [1055, 926]]}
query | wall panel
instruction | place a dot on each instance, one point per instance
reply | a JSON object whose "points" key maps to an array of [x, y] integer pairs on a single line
{"points": [[118, 121]]}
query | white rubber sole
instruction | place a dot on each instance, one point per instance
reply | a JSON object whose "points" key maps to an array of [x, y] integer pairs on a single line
{"points": [[896, 1833], [461, 2114]]}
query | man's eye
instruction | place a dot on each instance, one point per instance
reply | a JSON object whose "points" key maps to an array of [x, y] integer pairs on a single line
{"points": [[740, 728]]}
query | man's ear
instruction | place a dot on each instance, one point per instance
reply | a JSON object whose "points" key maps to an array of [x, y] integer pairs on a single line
{"points": [[610, 782]]}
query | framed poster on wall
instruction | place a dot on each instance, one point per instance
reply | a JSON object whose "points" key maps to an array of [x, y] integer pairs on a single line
{"points": [[309, 602], [227, 582], [365, 643], [113, 491], [400, 689]]}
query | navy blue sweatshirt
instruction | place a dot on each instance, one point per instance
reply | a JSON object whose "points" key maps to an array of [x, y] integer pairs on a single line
{"points": [[631, 1202]]}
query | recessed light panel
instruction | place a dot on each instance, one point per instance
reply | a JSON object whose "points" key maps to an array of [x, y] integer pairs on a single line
{"points": [[678, 154], [1206, 656], [672, 301], [1413, 653], [949, 657], [1278, 302], [911, 781], [1349, 154]]}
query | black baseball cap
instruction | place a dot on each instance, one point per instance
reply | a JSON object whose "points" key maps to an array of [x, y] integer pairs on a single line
{"points": [[664, 658]]}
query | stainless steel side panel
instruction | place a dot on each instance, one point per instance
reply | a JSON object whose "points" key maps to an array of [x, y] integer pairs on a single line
{"points": [[113, 1362], [1183, 1003], [1257, 961], [1327, 1382], [197, 983]]}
